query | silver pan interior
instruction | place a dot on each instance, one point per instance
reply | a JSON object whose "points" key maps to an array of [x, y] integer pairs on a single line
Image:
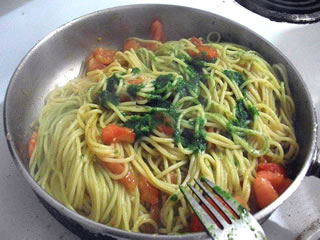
{"points": [[58, 58]]}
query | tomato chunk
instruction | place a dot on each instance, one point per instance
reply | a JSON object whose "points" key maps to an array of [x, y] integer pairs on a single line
{"points": [[195, 224], [148, 193], [283, 186], [165, 129], [274, 178], [207, 52], [155, 212], [113, 133], [129, 181], [100, 58], [104, 56], [271, 167], [156, 30], [130, 43], [196, 41], [94, 64], [136, 81], [32, 143], [264, 192]]}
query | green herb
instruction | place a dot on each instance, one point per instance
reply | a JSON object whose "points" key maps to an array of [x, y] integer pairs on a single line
{"points": [[184, 57], [193, 139], [198, 64], [141, 125], [136, 70], [236, 162], [181, 87], [163, 83], [106, 97], [238, 78], [253, 112], [190, 85], [243, 115], [133, 89], [173, 197], [112, 83]]}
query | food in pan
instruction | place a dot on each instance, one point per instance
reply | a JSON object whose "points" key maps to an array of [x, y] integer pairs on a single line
{"points": [[115, 143]]}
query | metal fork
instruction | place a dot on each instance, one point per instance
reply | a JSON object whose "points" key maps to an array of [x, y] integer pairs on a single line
{"points": [[237, 224]]}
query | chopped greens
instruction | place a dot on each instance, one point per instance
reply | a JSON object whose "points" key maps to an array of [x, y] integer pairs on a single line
{"points": [[244, 115], [112, 83], [174, 197], [163, 83], [193, 139], [238, 78], [198, 64], [136, 70], [133, 89], [161, 110], [109, 95], [105, 96], [141, 125]]}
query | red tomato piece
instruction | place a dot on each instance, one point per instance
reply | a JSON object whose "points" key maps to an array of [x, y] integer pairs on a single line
{"points": [[195, 224], [155, 212], [136, 81], [94, 64], [165, 129], [271, 167], [130, 43], [207, 52], [32, 143], [104, 56], [113, 133], [274, 178], [148, 193], [264, 192], [191, 53], [129, 181], [150, 46], [284, 185], [196, 41], [156, 30]]}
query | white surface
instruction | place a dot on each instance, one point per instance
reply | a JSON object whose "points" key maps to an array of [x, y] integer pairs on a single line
{"points": [[23, 23]]}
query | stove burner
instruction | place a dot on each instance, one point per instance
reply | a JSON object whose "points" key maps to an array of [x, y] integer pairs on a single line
{"points": [[294, 11]]}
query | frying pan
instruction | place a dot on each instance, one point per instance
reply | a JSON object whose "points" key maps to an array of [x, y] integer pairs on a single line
{"points": [[58, 57]]}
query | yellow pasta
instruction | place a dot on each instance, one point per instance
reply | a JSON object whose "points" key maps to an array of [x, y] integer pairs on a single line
{"points": [[224, 113]]}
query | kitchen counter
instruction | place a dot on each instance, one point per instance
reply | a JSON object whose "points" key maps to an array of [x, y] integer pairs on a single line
{"points": [[23, 23]]}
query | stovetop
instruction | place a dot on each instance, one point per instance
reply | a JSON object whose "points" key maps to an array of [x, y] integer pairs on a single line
{"points": [[24, 22]]}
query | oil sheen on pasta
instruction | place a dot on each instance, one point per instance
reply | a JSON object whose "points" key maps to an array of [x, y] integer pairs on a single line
{"points": [[224, 114]]}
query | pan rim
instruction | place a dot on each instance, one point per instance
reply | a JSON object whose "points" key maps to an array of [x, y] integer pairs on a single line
{"points": [[104, 229]]}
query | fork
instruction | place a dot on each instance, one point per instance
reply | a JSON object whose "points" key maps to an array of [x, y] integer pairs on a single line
{"points": [[228, 223]]}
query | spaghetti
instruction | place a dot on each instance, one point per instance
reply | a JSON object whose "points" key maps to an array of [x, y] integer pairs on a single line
{"points": [[193, 110]]}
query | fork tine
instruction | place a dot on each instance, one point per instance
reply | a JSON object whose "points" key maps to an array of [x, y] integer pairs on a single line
{"points": [[233, 204], [213, 211], [211, 227], [226, 212]]}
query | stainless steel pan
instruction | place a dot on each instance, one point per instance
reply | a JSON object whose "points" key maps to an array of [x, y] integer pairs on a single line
{"points": [[58, 57]]}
